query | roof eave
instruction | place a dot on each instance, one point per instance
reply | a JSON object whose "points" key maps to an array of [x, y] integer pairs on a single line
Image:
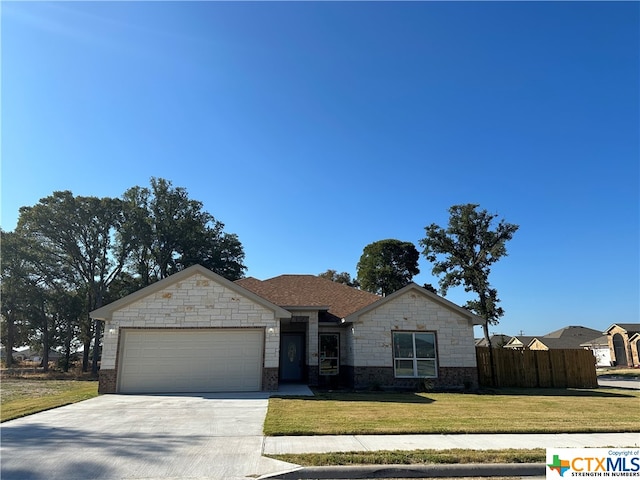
{"points": [[475, 319], [105, 313]]}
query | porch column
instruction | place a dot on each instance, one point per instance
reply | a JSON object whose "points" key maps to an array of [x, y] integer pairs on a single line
{"points": [[312, 349]]}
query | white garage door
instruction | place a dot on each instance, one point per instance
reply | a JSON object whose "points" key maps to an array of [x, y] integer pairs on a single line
{"points": [[212, 360]]}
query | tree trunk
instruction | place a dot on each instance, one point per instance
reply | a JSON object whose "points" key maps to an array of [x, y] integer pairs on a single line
{"points": [[8, 360], [85, 329], [485, 329], [45, 339], [85, 354], [67, 347], [96, 348], [98, 330]]}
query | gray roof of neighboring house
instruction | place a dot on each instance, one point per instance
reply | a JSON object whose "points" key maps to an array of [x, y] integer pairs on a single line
{"points": [[569, 337], [630, 328], [497, 340], [602, 341], [574, 331], [524, 340]]}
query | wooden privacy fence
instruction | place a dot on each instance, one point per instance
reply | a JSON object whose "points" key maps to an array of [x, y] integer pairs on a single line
{"points": [[537, 368]]}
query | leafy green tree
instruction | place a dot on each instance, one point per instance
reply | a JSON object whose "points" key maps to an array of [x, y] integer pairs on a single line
{"points": [[463, 253], [169, 232], [14, 304], [68, 310], [431, 288], [387, 265], [67, 248], [342, 277], [76, 236]]}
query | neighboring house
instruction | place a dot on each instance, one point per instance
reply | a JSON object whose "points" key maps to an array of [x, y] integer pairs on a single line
{"points": [[37, 356], [31, 355], [623, 344], [600, 348], [17, 354], [519, 342], [570, 337], [198, 332], [498, 340]]}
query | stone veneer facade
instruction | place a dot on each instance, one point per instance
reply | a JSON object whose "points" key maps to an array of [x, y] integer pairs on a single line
{"points": [[369, 357], [194, 302], [631, 348], [201, 301]]}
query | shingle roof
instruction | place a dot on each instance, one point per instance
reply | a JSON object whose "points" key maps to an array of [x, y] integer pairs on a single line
{"points": [[573, 331], [310, 291], [630, 328], [597, 342], [569, 337], [498, 340], [524, 340]]}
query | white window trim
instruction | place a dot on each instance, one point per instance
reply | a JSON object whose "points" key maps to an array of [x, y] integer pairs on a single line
{"points": [[414, 359]]}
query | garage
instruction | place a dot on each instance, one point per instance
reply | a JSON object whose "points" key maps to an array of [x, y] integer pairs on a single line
{"points": [[191, 360]]}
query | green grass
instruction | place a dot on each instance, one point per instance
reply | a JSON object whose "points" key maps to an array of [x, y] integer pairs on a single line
{"points": [[503, 411], [23, 396], [412, 457], [619, 372]]}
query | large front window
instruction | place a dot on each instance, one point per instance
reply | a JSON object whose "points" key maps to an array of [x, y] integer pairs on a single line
{"points": [[414, 354], [329, 353]]}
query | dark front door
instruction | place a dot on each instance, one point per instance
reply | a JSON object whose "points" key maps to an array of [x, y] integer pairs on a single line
{"points": [[619, 350], [291, 357]]}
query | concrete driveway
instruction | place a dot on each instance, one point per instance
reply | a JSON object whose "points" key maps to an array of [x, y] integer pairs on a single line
{"points": [[613, 381], [215, 436]]}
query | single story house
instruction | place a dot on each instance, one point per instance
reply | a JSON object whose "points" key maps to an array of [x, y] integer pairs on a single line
{"points": [[519, 342], [498, 340], [623, 342], [570, 337], [17, 355], [600, 349], [196, 331]]}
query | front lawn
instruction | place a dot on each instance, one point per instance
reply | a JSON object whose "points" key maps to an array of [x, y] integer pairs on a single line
{"points": [[618, 372], [412, 457], [504, 411], [23, 396]]}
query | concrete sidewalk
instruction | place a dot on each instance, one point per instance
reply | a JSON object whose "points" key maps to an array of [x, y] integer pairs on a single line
{"points": [[363, 443], [360, 443]]}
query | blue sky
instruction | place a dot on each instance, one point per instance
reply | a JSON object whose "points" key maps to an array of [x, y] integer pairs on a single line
{"points": [[313, 129]]}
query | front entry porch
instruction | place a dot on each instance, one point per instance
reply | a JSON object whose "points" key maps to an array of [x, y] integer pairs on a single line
{"points": [[312, 349]]}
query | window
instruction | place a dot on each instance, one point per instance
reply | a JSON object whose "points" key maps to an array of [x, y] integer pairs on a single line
{"points": [[329, 353], [414, 354]]}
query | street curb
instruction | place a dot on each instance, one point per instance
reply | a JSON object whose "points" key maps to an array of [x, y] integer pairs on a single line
{"points": [[417, 471]]}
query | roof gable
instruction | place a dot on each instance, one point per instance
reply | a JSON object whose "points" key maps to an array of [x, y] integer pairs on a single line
{"points": [[497, 340], [520, 340], [476, 320], [630, 328], [106, 312], [299, 291]]}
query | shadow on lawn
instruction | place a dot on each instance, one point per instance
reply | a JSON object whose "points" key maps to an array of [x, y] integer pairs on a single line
{"points": [[425, 398], [391, 397], [556, 392]]}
